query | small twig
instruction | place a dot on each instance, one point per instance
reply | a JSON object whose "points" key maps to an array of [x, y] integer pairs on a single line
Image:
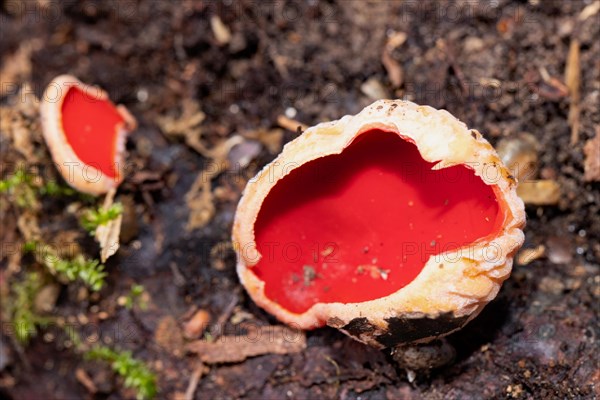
{"points": [[83, 378], [217, 329], [337, 372], [393, 68], [290, 124], [573, 80], [199, 371]]}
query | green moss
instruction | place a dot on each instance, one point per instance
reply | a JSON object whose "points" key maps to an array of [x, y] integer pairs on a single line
{"points": [[24, 188], [20, 187], [88, 271], [54, 189], [135, 373], [92, 219], [134, 297], [25, 321]]}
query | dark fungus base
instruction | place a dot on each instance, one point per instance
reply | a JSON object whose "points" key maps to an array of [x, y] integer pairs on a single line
{"points": [[402, 330]]}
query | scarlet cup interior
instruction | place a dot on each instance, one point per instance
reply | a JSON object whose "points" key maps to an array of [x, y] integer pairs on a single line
{"points": [[362, 224], [90, 125]]}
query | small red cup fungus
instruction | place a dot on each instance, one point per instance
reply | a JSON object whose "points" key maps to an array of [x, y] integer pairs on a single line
{"points": [[85, 133], [396, 226]]}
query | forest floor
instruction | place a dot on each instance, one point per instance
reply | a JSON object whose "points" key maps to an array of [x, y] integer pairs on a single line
{"points": [[197, 73]]}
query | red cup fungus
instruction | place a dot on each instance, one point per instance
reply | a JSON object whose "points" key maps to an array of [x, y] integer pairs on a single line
{"points": [[396, 226], [85, 133]]}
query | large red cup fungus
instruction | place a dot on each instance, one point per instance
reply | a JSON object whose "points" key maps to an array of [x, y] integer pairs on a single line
{"points": [[397, 225], [85, 133]]}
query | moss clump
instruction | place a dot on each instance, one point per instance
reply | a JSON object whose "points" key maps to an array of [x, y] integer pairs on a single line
{"points": [[135, 373]]}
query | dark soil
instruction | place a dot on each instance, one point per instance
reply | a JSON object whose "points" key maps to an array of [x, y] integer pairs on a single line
{"points": [[537, 339]]}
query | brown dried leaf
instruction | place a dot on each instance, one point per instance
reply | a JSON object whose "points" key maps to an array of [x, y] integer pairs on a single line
{"points": [[591, 165], [263, 340], [108, 237], [191, 116], [573, 81], [187, 125], [200, 198]]}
